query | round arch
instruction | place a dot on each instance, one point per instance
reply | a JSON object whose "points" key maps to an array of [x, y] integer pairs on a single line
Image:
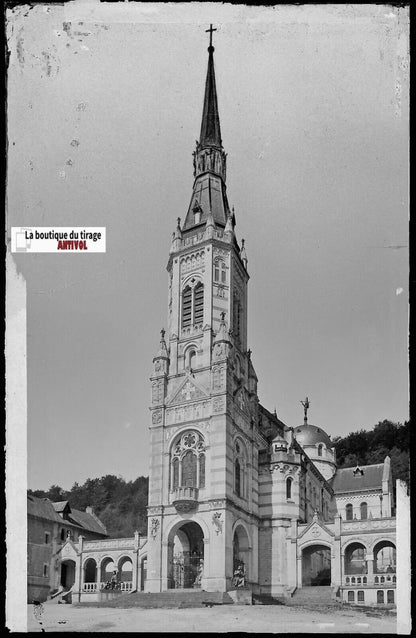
{"points": [[89, 569], [355, 562], [311, 543], [191, 280], [125, 569], [384, 556], [316, 563], [107, 567], [178, 522], [242, 553], [351, 540], [383, 539], [185, 556]]}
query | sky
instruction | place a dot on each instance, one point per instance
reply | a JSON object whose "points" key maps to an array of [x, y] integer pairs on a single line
{"points": [[104, 107]]}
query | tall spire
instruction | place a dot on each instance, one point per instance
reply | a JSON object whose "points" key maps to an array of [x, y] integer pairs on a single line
{"points": [[209, 193], [210, 126]]}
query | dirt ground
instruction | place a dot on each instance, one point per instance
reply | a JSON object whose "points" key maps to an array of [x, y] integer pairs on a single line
{"points": [[218, 619]]}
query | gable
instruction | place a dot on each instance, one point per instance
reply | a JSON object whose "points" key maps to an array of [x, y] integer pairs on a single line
{"points": [[188, 391], [316, 532], [68, 550]]}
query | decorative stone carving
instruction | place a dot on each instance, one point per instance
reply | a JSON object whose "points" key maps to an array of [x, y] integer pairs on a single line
{"points": [[154, 527], [157, 391], [218, 404], [217, 503], [192, 262], [217, 522], [219, 350], [202, 409], [157, 416], [185, 506], [188, 391], [218, 376]]}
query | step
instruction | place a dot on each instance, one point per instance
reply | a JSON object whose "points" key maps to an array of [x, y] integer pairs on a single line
{"points": [[312, 595], [175, 598]]}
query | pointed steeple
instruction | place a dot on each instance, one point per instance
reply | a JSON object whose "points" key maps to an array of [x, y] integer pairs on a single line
{"points": [[209, 193], [210, 126]]}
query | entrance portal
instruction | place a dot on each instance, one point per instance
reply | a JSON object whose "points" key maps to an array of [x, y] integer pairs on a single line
{"points": [[67, 574], [316, 566], [187, 557]]}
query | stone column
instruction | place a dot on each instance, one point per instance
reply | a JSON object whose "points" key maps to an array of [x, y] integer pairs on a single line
{"points": [[299, 568], [370, 568], [337, 557], [167, 549], [98, 575]]}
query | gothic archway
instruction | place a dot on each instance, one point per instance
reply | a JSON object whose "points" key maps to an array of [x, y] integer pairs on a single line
{"points": [[186, 556], [316, 566]]}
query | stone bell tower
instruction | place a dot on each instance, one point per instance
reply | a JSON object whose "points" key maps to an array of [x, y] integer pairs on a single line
{"points": [[203, 479]]}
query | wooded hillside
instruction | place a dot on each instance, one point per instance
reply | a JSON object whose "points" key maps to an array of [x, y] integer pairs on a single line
{"points": [[366, 447]]}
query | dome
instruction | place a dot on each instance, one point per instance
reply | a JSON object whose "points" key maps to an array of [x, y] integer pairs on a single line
{"points": [[307, 434]]}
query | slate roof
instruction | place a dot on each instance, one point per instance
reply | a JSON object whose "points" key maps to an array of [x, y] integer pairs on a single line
{"points": [[346, 481], [44, 508], [87, 521]]}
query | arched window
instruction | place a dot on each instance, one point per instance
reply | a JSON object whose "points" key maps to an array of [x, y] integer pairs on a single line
{"points": [[348, 512], [360, 596], [191, 359], [363, 511], [237, 317], [390, 596], [175, 473], [189, 478], [320, 448], [380, 597], [239, 470], [237, 477], [220, 273], [187, 467], [351, 596], [193, 304], [186, 307], [289, 488], [199, 303]]}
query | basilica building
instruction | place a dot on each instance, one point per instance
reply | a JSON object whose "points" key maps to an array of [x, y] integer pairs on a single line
{"points": [[237, 498]]}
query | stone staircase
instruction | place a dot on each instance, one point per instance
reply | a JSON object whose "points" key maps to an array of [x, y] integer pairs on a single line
{"points": [[175, 598], [312, 596], [63, 595]]}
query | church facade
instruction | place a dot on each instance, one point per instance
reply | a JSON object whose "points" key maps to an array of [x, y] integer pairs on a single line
{"points": [[232, 489], [237, 498]]}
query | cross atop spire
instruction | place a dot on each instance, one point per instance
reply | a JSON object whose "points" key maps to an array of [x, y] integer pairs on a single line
{"points": [[210, 31], [210, 126]]}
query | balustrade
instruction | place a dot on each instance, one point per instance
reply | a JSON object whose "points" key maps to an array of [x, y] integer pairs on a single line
{"points": [[125, 586], [388, 580]]}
